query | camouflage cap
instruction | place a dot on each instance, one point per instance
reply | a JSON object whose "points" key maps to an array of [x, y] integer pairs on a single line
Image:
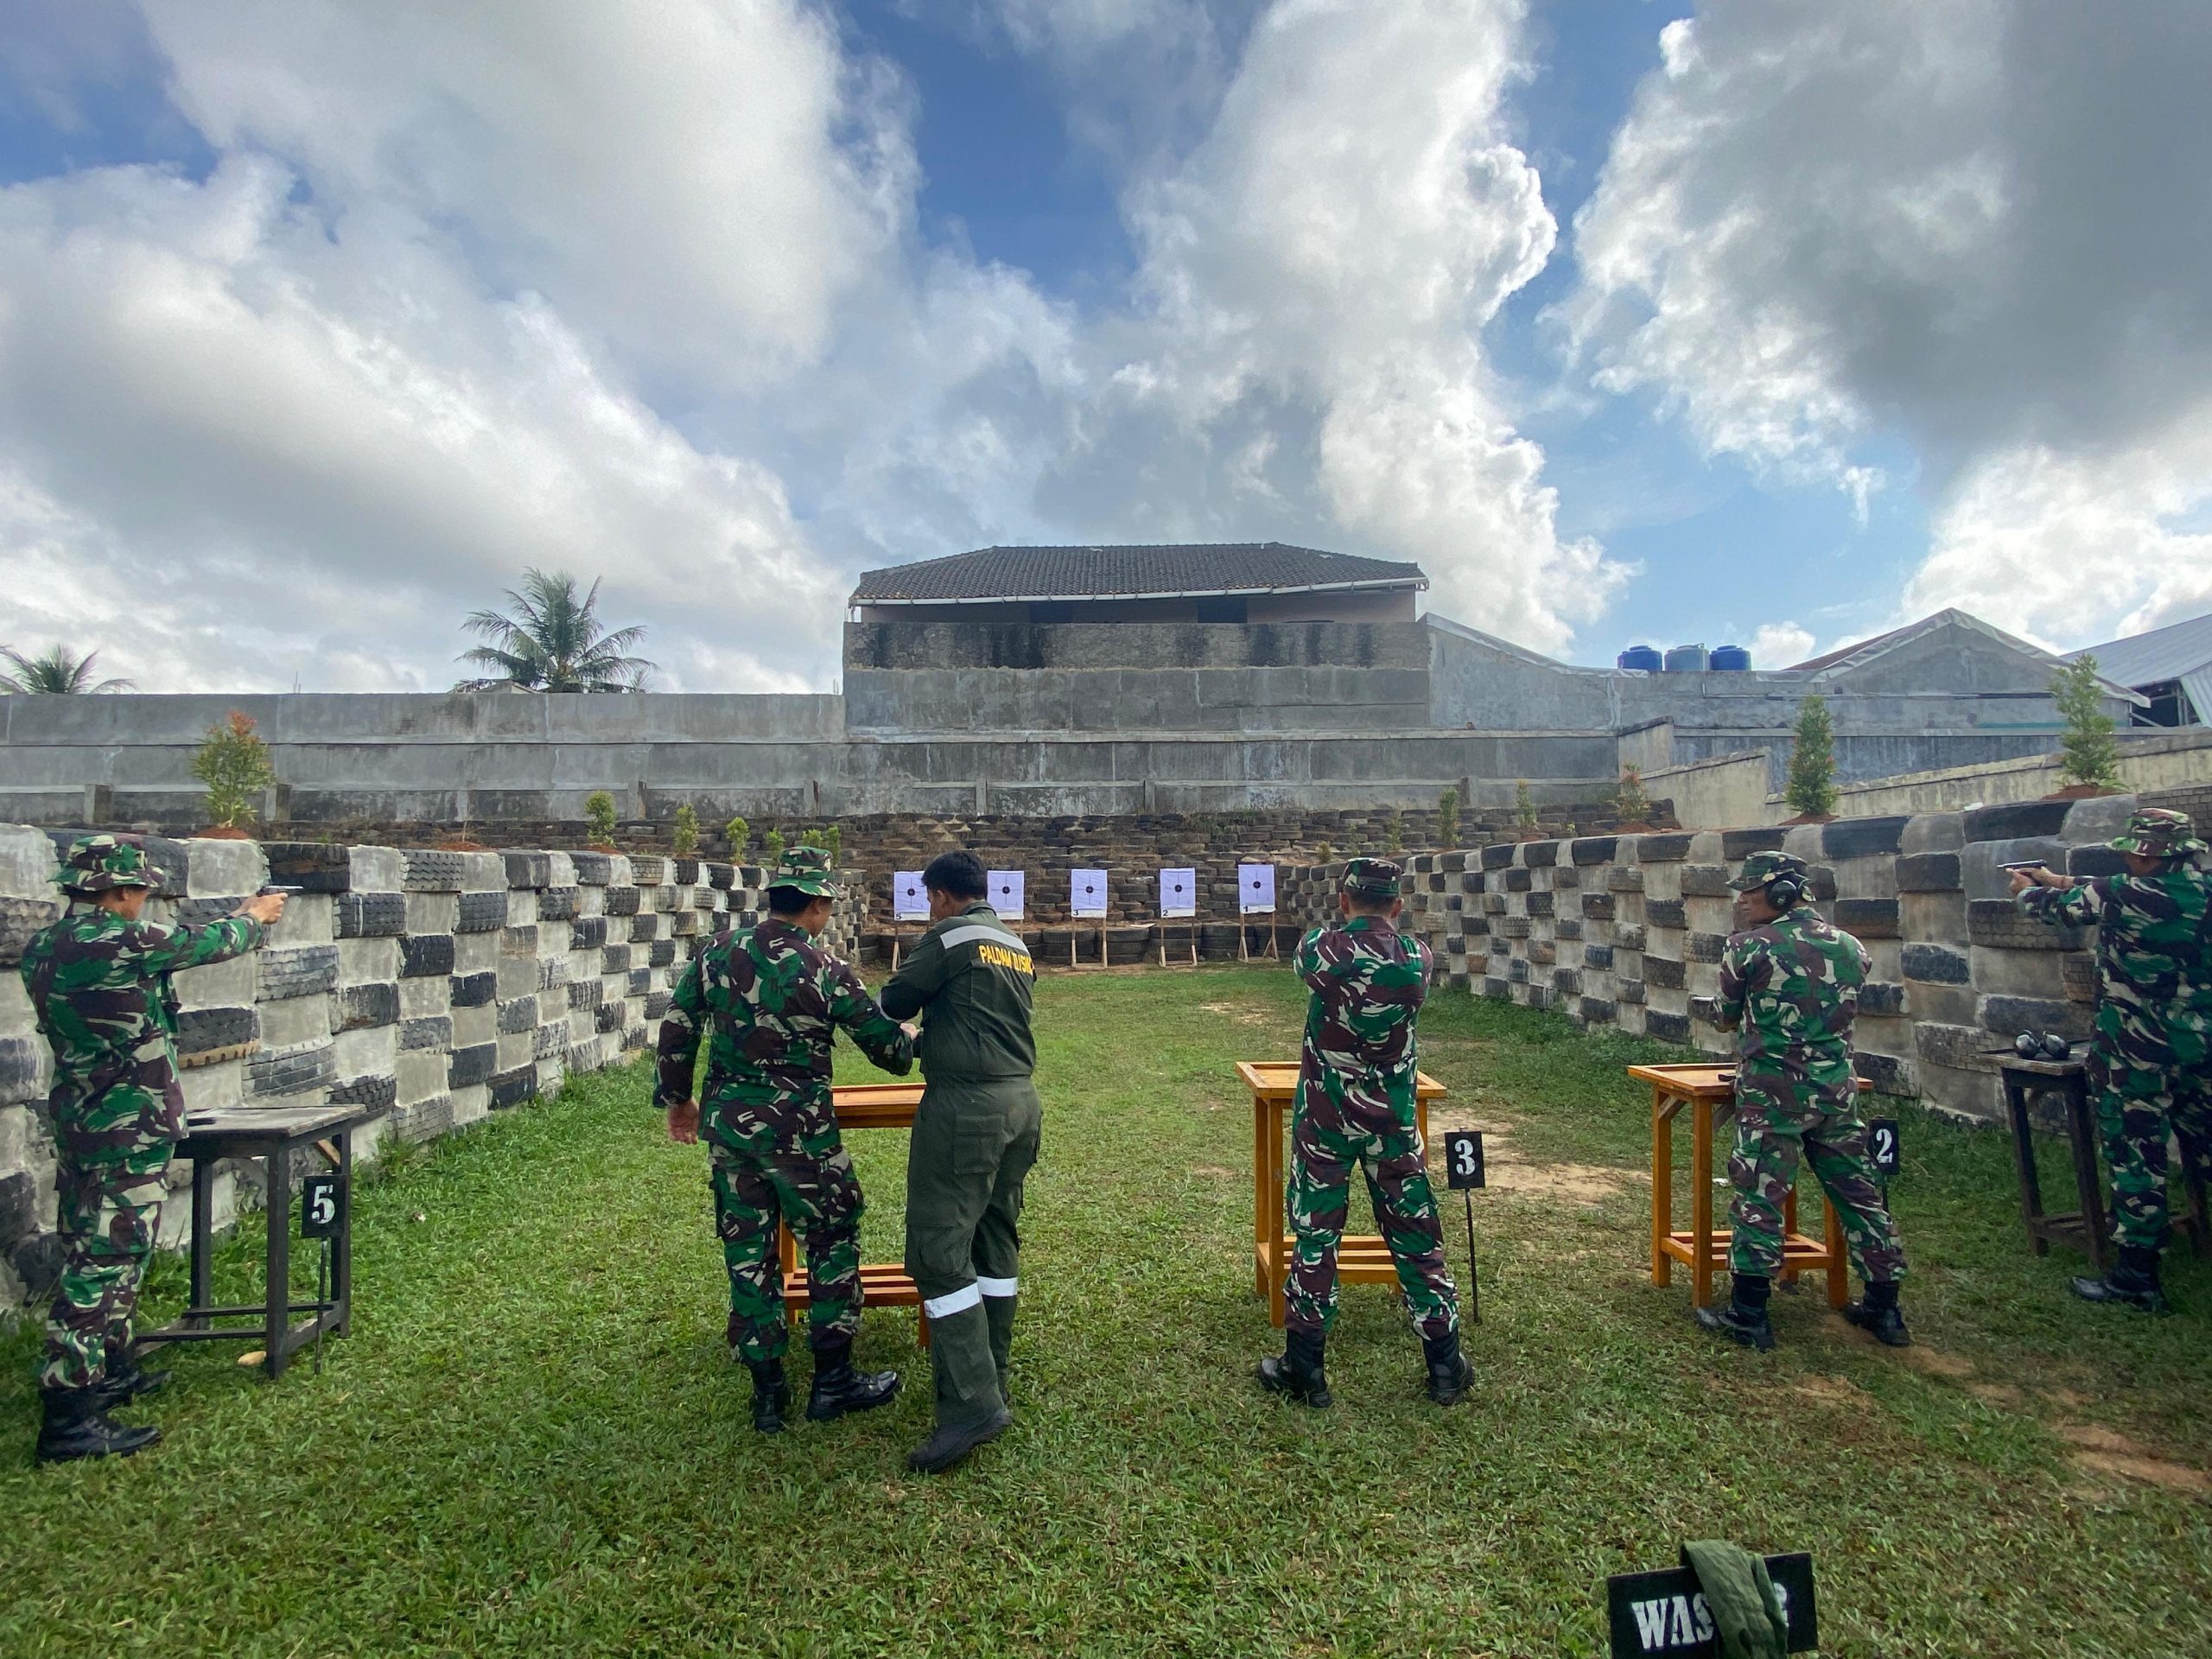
{"points": [[96, 863], [1371, 878], [1760, 868], [2155, 832], [805, 869]]}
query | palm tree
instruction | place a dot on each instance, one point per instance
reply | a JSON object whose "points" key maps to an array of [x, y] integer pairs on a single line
{"points": [[57, 672], [552, 642]]}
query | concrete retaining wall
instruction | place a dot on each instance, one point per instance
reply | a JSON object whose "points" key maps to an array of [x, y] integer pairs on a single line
{"points": [[1628, 931], [432, 986]]}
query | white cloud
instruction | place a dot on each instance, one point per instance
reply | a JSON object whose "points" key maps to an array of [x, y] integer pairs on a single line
{"points": [[1974, 225], [1779, 645]]}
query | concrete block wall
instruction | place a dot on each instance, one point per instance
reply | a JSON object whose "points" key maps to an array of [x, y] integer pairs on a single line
{"points": [[432, 986], [1626, 931]]}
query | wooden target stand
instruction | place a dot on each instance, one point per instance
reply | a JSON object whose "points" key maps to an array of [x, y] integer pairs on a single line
{"points": [[1078, 927], [1190, 924], [898, 927], [1244, 926]]}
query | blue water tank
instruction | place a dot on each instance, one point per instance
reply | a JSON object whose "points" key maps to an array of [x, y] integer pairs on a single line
{"points": [[1643, 657], [1686, 659], [1731, 660]]}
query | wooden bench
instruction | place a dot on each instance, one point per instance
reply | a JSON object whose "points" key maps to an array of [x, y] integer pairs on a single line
{"points": [[883, 1284]]}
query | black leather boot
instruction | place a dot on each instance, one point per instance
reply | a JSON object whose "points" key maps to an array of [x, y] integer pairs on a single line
{"points": [[1450, 1376], [127, 1381], [838, 1389], [1743, 1319], [2131, 1282], [1878, 1314], [772, 1395], [1297, 1373], [76, 1425]]}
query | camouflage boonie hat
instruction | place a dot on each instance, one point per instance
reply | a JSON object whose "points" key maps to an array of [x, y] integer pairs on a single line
{"points": [[2155, 832], [805, 869], [1760, 868], [96, 863], [1371, 878]]}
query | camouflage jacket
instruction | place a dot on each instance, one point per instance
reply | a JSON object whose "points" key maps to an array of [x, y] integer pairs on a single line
{"points": [[1369, 982], [775, 1000], [2154, 955], [100, 990], [1791, 989]]}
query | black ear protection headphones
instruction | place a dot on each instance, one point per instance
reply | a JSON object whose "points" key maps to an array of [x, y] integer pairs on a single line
{"points": [[1786, 891]]}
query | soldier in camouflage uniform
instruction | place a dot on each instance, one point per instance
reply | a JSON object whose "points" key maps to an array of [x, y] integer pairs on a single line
{"points": [[775, 999], [1355, 1104], [2151, 1061], [98, 981], [1789, 982]]}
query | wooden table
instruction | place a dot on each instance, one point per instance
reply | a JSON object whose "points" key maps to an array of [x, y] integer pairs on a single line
{"points": [[1362, 1259], [1712, 1103], [859, 1106], [273, 1136]]}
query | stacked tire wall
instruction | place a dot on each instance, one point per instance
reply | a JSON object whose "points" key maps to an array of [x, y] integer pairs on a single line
{"points": [[430, 988], [1626, 931]]}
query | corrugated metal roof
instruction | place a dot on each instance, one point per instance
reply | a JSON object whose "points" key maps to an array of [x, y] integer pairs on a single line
{"points": [[1128, 571], [2167, 653]]}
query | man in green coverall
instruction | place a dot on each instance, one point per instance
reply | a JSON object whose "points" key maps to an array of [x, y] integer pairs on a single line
{"points": [[976, 1136]]}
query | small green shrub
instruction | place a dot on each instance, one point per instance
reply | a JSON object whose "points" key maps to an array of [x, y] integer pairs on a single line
{"points": [[1393, 835], [739, 834], [1810, 790], [1524, 809], [599, 818], [683, 840], [2088, 754], [1448, 818], [233, 762], [1631, 801], [771, 847]]}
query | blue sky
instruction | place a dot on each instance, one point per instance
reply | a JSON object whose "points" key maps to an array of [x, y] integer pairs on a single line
{"points": [[1633, 321]]}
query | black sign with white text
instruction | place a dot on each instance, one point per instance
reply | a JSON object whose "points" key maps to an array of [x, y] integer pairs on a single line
{"points": [[1462, 1158], [1881, 1146], [322, 1206], [1665, 1612]]}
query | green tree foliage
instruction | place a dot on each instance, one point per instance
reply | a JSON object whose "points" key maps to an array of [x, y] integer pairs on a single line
{"points": [[1448, 818], [1524, 809], [1631, 802], [1393, 834], [553, 642], [599, 818], [2088, 754], [1810, 790], [233, 762], [771, 847], [739, 834], [829, 837], [683, 839], [57, 671]]}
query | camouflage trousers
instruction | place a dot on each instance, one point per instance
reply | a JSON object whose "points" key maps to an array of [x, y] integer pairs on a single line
{"points": [[2138, 1108], [108, 1217], [1771, 1135], [1328, 1137], [818, 1194]]}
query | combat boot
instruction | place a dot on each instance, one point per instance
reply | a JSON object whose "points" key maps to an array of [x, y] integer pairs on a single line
{"points": [[2132, 1281], [1878, 1314], [1743, 1320], [838, 1389], [950, 1442], [1297, 1372], [1450, 1376], [771, 1395], [127, 1380], [76, 1425]]}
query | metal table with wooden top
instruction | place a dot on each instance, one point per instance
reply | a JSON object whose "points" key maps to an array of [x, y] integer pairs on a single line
{"points": [[274, 1135], [884, 1284], [1363, 1258], [1708, 1093]]}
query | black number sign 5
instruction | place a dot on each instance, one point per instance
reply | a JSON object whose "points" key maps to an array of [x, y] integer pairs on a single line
{"points": [[322, 1206]]}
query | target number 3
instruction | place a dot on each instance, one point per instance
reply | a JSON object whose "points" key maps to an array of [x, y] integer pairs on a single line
{"points": [[1462, 1158]]}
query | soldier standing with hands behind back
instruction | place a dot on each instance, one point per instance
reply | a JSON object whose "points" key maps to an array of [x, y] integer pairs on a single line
{"points": [[99, 987], [1789, 982], [2151, 1061]]}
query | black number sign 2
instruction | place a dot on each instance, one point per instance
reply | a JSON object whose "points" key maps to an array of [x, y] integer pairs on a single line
{"points": [[1881, 1146]]}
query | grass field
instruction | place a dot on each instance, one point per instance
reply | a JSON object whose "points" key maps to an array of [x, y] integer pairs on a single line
{"points": [[536, 1443]]}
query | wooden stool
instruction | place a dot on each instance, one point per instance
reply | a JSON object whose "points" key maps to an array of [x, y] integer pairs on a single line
{"points": [[884, 1284], [1361, 1258], [2087, 1228], [1712, 1103]]}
